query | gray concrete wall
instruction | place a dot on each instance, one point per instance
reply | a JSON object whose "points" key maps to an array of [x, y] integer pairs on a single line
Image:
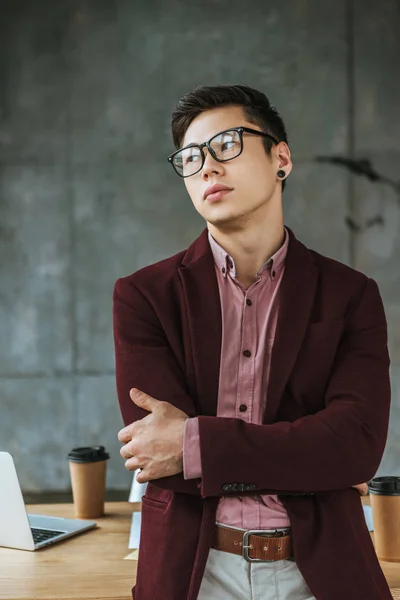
{"points": [[86, 92]]}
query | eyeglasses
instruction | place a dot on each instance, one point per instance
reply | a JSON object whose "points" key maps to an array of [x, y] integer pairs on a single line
{"points": [[223, 146]]}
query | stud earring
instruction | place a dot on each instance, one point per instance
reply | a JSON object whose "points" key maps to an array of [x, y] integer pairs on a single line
{"points": [[281, 173]]}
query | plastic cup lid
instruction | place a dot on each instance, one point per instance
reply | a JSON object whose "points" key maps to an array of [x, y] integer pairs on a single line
{"points": [[88, 454], [388, 486]]}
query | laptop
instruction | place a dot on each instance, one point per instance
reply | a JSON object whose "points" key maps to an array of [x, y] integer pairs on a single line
{"points": [[29, 532]]}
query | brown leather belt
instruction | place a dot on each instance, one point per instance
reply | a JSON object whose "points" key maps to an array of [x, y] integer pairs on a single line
{"points": [[255, 545]]}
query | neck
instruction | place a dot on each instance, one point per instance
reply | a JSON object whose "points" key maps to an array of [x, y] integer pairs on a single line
{"points": [[251, 243]]}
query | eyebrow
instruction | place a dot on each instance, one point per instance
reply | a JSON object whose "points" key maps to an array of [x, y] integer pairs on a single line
{"points": [[190, 145]]}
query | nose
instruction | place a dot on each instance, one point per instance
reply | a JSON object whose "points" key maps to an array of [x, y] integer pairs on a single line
{"points": [[211, 166]]}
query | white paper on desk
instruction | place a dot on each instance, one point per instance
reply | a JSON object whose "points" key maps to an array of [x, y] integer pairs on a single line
{"points": [[368, 517], [135, 530], [137, 489]]}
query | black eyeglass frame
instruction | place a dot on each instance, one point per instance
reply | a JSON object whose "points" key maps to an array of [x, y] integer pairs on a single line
{"points": [[240, 130]]}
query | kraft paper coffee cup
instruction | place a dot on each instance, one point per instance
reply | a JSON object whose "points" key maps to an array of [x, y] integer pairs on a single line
{"points": [[87, 467], [385, 504]]}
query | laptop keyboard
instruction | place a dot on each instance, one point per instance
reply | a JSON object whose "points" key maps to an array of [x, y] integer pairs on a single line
{"points": [[42, 535]]}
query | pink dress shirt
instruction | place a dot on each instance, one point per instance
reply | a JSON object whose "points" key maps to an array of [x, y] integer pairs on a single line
{"points": [[249, 318]]}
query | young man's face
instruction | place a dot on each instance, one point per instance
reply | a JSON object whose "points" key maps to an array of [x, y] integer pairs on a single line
{"points": [[252, 175]]}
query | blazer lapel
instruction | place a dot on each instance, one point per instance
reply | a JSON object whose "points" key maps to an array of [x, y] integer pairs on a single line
{"points": [[296, 297], [203, 308]]}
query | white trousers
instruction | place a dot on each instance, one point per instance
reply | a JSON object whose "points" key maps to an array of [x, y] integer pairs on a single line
{"points": [[230, 577]]}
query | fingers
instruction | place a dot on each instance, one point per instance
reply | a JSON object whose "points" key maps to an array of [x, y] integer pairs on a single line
{"points": [[132, 464], [143, 400], [143, 476], [125, 435], [127, 451], [362, 488]]}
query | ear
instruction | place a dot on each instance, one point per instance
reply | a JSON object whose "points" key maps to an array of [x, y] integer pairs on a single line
{"points": [[284, 160]]}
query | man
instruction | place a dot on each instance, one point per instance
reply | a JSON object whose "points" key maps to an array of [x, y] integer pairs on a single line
{"points": [[253, 380]]}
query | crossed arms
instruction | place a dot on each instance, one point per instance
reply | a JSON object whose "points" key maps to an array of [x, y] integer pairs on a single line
{"points": [[336, 448]]}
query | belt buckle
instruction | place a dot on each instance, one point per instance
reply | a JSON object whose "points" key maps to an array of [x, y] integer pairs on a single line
{"points": [[265, 533]]}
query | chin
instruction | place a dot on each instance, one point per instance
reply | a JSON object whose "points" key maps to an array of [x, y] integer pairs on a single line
{"points": [[224, 221]]}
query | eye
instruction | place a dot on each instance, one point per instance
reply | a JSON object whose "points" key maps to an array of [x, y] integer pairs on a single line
{"points": [[227, 145], [191, 158]]}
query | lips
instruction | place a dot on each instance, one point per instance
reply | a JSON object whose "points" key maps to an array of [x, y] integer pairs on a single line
{"points": [[216, 188]]}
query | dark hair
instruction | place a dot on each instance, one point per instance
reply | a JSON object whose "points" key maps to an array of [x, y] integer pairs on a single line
{"points": [[256, 107]]}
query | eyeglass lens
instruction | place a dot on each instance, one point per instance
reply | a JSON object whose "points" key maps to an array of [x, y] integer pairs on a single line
{"points": [[225, 146]]}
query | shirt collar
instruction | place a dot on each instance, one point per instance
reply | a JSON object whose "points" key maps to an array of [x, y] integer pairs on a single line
{"points": [[225, 263]]}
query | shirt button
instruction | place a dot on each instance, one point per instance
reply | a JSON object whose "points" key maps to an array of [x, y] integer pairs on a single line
{"points": [[248, 302], [247, 353], [242, 408], [230, 264], [223, 269]]}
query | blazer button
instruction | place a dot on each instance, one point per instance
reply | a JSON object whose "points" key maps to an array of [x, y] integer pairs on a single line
{"points": [[227, 487]]}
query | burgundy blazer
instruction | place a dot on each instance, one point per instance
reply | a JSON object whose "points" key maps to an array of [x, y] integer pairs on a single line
{"points": [[324, 429]]}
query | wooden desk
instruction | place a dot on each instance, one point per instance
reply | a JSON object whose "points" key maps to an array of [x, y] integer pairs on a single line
{"points": [[89, 566]]}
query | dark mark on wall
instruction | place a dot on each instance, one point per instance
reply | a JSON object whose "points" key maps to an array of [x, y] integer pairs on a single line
{"points": [[362, 167]]}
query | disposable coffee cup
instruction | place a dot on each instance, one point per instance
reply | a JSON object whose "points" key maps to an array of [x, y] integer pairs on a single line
{"points": [[385, 504], [87, 467]]}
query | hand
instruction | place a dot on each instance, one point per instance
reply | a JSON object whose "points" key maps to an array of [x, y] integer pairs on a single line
{"points": [[154, 444], [362, 488]]}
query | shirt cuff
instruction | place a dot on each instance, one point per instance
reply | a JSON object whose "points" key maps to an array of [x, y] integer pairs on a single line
{"points": [[191, 449]]}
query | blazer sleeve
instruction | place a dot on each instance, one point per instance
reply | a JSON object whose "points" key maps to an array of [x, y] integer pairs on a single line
{"points": [[336, 448], [144, 359]]}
